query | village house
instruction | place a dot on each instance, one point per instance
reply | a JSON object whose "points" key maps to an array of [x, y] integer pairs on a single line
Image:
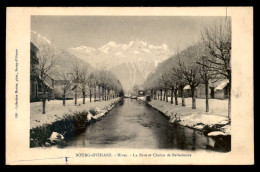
{"points": [[35, 80], [34, 62], [217, 90]]}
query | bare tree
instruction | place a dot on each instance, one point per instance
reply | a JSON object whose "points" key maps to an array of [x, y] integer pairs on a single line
{"points": [[103, 77], [170, 83], [83, 81], [190, 69], [66, 84], [180, 81], [77, 74], [217, 38], [91, 82], [46, 58], [206, 75]]}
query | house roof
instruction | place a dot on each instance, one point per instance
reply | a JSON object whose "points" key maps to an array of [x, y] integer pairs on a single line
{"points": [[216, 84], [222, 84], [48, 85], [187, 87]]}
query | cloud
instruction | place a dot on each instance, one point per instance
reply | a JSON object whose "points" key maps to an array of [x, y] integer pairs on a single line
{"points": [[104, 49], [83, 49], [41, 37], [118, 54], [112, 44], [44, 38], [146, 50], [135, 52]]}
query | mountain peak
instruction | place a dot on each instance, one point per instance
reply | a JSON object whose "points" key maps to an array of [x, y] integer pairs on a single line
{"points": [[112, 53]]}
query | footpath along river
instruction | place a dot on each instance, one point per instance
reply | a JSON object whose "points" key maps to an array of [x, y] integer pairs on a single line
{"points": [[134, 124]]}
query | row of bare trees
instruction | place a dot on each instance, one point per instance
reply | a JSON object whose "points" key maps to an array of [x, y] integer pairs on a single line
{"points": [[97, 84], [200, 63], [100, 84]]}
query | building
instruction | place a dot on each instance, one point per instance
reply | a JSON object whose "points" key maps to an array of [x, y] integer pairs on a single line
{"points": [[217, 90], [220, 89], [34, 62], [35, 79], [187, 91]]}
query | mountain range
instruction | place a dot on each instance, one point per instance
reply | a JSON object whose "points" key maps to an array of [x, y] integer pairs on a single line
{"points": [[131, 62]]}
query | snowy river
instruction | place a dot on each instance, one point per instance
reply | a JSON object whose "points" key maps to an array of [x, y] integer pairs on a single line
{"points": [[134, 124]]}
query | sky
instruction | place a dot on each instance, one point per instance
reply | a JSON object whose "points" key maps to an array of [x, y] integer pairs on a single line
{"points": [[95, 31]]}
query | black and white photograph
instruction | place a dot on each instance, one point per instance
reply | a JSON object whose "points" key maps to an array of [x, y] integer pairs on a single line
{"points": [[131, 82], [130, 85]]}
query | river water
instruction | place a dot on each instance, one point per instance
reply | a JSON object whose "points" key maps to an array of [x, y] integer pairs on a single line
{"points": [[134, 124]]}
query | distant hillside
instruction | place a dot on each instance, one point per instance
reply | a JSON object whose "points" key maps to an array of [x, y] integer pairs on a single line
{"points": [[131, 62], [63, 59]]}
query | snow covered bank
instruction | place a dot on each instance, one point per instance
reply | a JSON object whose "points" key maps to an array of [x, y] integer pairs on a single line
{"points": [[196, 118], [56, 111], [61, 123]]}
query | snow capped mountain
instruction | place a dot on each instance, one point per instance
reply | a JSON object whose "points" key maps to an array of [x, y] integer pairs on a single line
{"points": [[112, 54], [63, 59], [131, 62]]}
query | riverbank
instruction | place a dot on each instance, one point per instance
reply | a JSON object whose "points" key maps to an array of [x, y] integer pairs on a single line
{"points": [[63, 122], [213, 123]]}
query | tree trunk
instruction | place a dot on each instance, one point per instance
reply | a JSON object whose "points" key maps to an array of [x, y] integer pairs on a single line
{"points": [[84, 94], [95, 93], [182, 98], [43, 105], [75, 97], [43, 99], [193, 98], [49, 96], [99, 93], [105, 94], [176, 98], [90, 95], [64, 92], [161, 96], [207, 96], [166, 95], [172, 95]]}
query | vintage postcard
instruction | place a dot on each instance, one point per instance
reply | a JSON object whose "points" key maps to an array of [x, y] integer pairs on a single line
{"points": [[129, 85]]}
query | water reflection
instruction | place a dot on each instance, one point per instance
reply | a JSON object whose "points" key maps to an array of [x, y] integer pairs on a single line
{"points": [[134, 124]]}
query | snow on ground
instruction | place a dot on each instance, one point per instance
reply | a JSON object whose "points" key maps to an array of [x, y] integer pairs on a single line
{"points": [[55, 110], [196, 118], [216, 106], [216, 133], [56, 137], [141, 98]]}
